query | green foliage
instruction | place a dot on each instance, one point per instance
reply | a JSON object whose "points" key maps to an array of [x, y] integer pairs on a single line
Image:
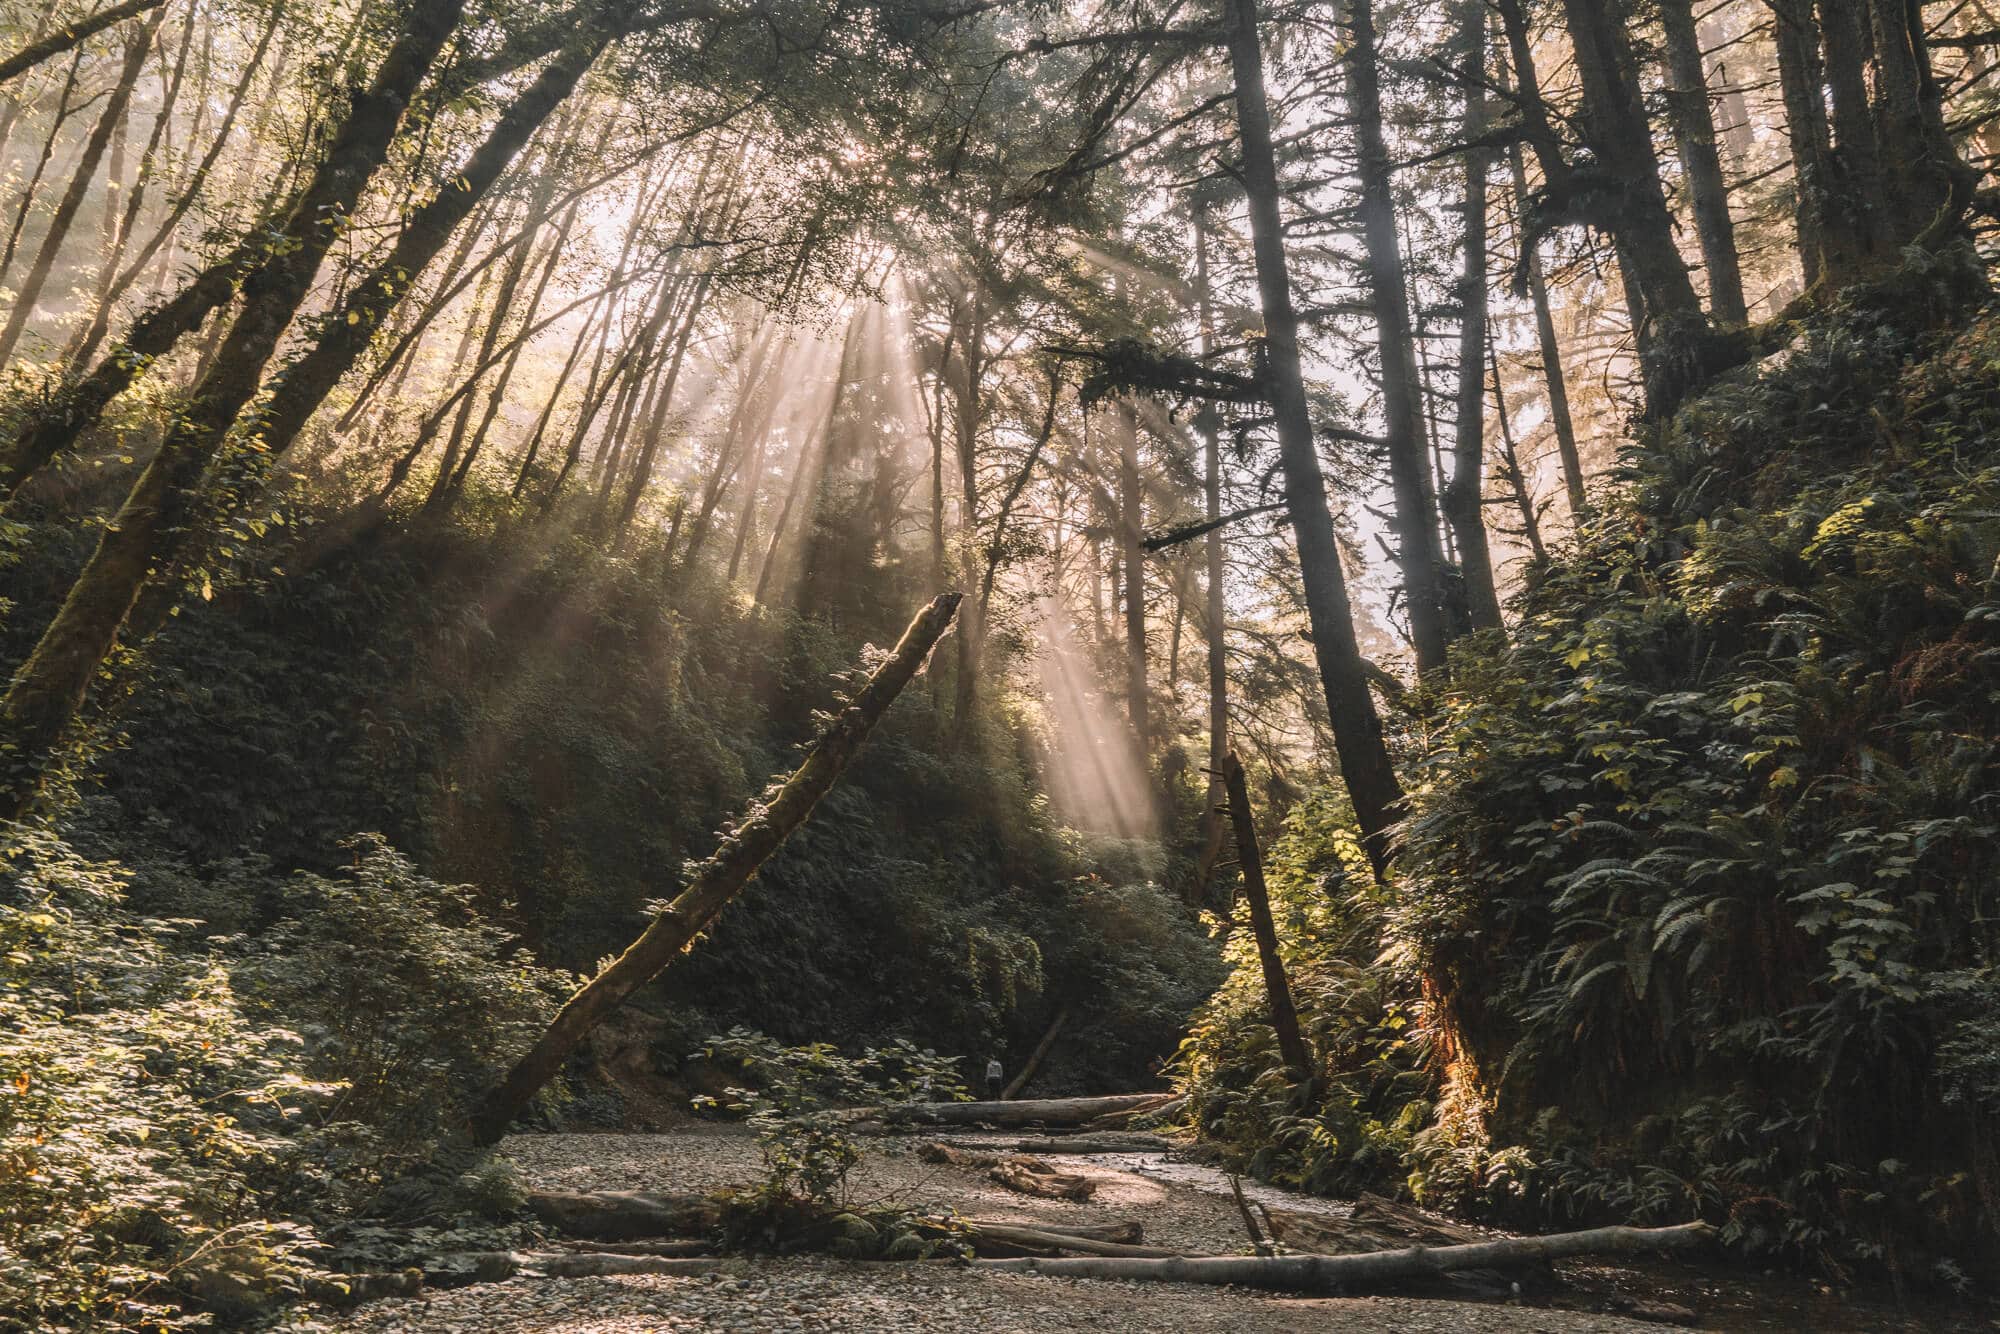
{"points": [[1706, 858], [379, 968], [1348, 1128], [189, 1123], [144, 1112], [792, 1096]]}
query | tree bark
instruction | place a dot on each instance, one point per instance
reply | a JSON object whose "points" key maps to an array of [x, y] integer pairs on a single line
{"points": [[1215, 627], [152, 522], [1132, 560], [1364, 757], [720, 878], [1250, 860]]}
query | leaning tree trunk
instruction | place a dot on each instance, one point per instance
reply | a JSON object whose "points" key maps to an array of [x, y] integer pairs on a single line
{"points": [[719, 879], [153, 522], [70, 37], [1364, 757], [304, 384], [1464, 498], [1250, 859]]}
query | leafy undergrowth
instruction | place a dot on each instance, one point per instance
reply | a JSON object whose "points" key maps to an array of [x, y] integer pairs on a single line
{"points": [[1695, 912]]}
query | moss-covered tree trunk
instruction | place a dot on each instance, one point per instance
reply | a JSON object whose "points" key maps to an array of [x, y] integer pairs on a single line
{"points": [[719, 879]]}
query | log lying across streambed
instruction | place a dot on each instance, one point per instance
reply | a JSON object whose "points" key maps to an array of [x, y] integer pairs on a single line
{"points": [[1024, 1112], [1343, 1273]]}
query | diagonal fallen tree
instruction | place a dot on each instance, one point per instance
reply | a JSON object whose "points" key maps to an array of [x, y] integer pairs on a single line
{"points": [[1373, 1269], [719, 879]]}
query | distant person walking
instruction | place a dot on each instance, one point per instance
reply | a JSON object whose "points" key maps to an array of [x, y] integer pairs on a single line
{"points": [[993, 1074]]}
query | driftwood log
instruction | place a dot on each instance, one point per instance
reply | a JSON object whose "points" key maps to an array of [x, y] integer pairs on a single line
{"points": [[1109, 1142], [1031, 1176], [624, 1215], [1340, 1273], [1025, 1112], [1166, 1108], [989, 1239], [493, 1266], [1374, 1224]]}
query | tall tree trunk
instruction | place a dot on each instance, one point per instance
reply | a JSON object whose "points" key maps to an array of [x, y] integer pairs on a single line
{"points": [[1510, 464], [656, 427], [1465, 495], [1708, 192], [719, 879], [1861, 188], [1364, 757], [1416, 517], [1679, 350], [65, 108], [1132, 559], [152, 523], [1801, 79], [113, 116], [120, 222], [1277, 991], [1549, 346], [1215, 626]]}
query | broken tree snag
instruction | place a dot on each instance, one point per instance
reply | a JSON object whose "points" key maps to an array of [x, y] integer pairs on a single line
{"points": [[1338, 1273], [624, 1215], [1034, 1061], [1284, 1016], [1033, 1111], [719, 879]]}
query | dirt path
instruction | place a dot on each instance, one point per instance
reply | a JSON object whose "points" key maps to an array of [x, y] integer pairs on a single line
{"points": [[1178, 1205]]}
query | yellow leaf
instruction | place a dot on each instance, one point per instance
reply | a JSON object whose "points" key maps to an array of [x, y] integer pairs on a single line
{"points": [[354, 317], [207, 590]]}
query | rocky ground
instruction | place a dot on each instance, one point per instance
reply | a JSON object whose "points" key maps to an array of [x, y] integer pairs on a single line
{"points": [[1180, 1206]]}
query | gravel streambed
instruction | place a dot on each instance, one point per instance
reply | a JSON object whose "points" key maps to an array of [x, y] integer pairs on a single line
{"points": [[1179, 1208]]}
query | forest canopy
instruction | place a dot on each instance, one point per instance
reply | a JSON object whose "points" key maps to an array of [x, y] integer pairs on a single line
{"points": [[1452, 547]]}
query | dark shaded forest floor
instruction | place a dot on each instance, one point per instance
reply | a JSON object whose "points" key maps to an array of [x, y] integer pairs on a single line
{"points": [[1179, 1205]]}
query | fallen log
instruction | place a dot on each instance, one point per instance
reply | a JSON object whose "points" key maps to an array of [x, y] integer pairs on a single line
{"points": [[1113, 1142], [624, 1215], [1338, 1273], [1167, 1106], [493, 1266], [1031, 1177], [1125, 1231], [1027, 1111], [1374, 1224], [1032, 1239], [680, 1248]]}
